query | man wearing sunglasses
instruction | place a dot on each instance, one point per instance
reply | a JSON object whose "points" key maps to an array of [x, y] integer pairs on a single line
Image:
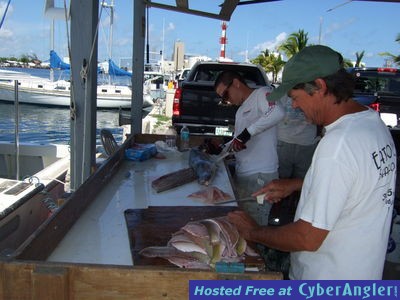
{"points": [[255, 141]]}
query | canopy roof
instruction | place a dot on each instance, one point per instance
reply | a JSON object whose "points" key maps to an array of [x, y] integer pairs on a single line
{"points": [[223, 9]]}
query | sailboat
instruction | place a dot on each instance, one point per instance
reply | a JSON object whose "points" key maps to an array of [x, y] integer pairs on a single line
{"points": [[42, 91], [50, 92]]}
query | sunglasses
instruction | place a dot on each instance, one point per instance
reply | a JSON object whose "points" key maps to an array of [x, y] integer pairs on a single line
{"points": [[225, 94]]}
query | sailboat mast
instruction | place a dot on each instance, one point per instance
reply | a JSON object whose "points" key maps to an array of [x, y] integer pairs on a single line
{"points": [[111, 26], [111, 33], [162, 49], [110, 37], [55, 13], [52, 46]]}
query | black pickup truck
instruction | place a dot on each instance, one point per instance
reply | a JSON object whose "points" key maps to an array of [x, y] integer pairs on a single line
{"points": [[380, 89], [198, 106]]}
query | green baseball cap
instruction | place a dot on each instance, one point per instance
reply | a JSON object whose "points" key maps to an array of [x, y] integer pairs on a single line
{"points": [[310, 63]]}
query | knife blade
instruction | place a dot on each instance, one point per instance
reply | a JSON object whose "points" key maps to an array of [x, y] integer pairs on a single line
{"points": [[226, 150], [222, 156], [259, 199], [236, 200]]}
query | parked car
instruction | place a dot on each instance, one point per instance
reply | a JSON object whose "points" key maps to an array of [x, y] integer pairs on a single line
{"points": [[182, 76], [380, 89], [200, 108]]}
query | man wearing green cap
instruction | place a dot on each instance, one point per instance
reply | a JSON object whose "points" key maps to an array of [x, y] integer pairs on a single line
{"points": [[342, 221]]}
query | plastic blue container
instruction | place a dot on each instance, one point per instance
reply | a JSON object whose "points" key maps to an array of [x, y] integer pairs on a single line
{"points": [[141, 152]]}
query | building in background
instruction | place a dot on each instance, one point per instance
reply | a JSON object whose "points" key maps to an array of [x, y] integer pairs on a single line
{"points": [[178, 56], [179, 60]]}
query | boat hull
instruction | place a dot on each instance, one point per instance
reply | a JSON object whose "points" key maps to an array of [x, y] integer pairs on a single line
{"points": [[58, 94], [26, 215], [27, 202], [56, 98]]}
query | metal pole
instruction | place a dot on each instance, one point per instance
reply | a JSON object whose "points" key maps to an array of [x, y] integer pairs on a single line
{"points": [[147, 37], [320, 31], [16, 105], [110, 37]]}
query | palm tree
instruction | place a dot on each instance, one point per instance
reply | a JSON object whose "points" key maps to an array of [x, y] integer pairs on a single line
{"points": [[359, 57], [274, 65], [24, 59], [396, 58], [347, 63], [294, 43], [271, 62], [261, 59]]}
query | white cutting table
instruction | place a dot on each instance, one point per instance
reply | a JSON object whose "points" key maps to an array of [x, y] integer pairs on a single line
{"points": [[100, 235]]}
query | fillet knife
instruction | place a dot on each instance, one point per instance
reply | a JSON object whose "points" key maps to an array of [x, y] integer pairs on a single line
{"points": [[259, 199], [226, 150]]}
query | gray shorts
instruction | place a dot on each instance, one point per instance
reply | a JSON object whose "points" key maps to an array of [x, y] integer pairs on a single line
{"points": [[294, 159], [247, 185]]}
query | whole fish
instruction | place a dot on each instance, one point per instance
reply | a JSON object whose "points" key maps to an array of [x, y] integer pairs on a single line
{"points": [[203, 166], [201, 244]]}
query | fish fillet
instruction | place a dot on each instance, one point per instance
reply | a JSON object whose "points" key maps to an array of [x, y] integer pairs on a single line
{"points": [[210, 195], [183, 243]]}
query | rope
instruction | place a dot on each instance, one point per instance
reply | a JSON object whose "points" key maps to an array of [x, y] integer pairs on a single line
{"points": [[72, 104], [84, 75], [84, 72], [30, 179], [5, 13]]}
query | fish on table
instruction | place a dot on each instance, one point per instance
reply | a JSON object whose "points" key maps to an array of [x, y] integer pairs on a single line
{"points": [[210, 195], [201, 244], [203, 165]]}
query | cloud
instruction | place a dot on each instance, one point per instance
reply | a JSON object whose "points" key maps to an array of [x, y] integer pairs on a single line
{"points": [[332, 28], [170, 27], [270, 45], [122, 42], [6, 34]]}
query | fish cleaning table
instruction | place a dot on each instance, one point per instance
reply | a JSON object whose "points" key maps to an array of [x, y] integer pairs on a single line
{"points": [[154, 226], [83, 249], [100, 235]]}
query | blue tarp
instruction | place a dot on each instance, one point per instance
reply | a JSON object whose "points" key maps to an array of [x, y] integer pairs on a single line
{"points": [[56, 62], [114, 70]]}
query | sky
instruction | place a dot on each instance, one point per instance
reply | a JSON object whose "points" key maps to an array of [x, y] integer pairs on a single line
{"points": [[346, 26]]}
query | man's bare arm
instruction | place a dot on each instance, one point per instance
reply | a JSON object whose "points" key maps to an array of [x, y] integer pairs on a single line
{"points": [[297, 236], [278, 189]]}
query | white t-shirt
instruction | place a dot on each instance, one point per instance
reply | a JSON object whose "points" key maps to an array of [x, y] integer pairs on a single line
{"points": [[349, 190], [260, 117], [295, 128]]}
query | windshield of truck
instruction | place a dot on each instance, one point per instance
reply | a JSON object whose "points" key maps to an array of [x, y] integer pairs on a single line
{"points": [[185, 74], [251, 75], [377, 82]]}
